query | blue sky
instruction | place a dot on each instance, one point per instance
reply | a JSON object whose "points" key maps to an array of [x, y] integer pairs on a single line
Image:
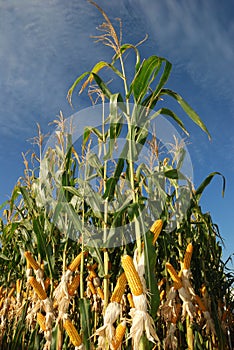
{"points": [[45, 45]]}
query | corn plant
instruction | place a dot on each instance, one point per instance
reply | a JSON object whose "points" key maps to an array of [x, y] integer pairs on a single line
{"points": [[68, 281]]}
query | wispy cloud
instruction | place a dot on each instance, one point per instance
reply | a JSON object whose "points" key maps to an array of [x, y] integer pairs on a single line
{"points": [[199, 36]]}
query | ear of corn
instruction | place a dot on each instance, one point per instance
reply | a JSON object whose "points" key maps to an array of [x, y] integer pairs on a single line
{"points": [[41, 320], [130, 300], [119, 334], [119, 288], [31, 261], [76, 262], [100, 293], [156, 228], [200, 303], [37, 288], [188, 256], [72, 332], [132, 276], [72, 287], [91, 287], [11, 292], [47, 283], [174, 276]]}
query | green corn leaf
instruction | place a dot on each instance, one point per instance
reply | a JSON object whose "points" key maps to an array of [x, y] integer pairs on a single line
{"points": [[110, 188], [206, 182], [123, 49], [143, 78], [189, 111], [168, 112], [102, 86], [72, 88], [86, 324], [150, 262]]}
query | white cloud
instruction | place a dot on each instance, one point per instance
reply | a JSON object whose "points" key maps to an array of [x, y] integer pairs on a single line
{"points": [[194, 34]]}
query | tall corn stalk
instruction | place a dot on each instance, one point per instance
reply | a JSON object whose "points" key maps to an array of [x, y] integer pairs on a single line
{"points": [[189, 308]]}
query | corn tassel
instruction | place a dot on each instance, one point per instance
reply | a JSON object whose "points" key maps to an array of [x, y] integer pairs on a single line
{"points": [[37, 288], [174, 276], [132, 276], [76, 262], [119, 288], [156, 228], [120, 331], [72, 332], [188, 256], [31, 261], [41, 320]]}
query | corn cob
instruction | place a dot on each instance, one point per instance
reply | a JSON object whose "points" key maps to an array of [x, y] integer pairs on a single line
{"points": [[37, 288], [162, 295], [18, 286], [11, 292], [72, 287], [119, 334], [156, 228], [47, 283], [130, 300], [100, 293], [72, 332], [200, 303], [41, 321], [76, 262], [132, 276], [31, 261], [91, 287], [119, 288], [188, 256], [174, 276]]}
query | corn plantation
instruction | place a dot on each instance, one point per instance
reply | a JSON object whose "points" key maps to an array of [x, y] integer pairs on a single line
{"points": [[165, 289]]}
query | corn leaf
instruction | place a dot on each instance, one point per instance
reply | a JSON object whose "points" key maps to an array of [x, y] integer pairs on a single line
{"points": [[186, 107], [206, 182]]}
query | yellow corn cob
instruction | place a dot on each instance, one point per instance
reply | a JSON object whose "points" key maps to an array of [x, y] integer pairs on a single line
{"points": [[100, 293], [174, 276], [156, 228], [91, 287], [11, 292], [18, 286], [130, 300], [47, 283], [76, 262], [132, 276], [203, 290], [119, 288], [188, 256], [200, 303], [72, 287], [37, 288], [161, 282], [1, 302], [31, 261], [92, 273], [41, 321], [72, 332], [119, 334], [162, 295]]}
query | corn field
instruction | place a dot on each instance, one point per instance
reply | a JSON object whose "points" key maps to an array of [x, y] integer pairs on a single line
{"points": [[166, 286]]}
